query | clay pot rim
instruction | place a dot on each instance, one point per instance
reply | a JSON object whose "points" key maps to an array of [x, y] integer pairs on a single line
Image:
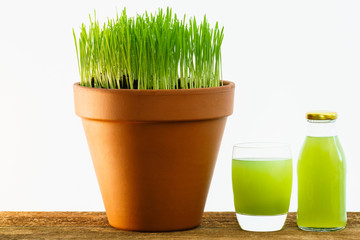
{"points": [[154, 105], [164, 92]]}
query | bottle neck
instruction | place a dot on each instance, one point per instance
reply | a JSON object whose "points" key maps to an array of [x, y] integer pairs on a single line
{"points": [[321, 128]]}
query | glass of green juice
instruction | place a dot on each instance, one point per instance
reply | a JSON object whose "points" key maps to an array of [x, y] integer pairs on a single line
{"points": [[262, 181]]}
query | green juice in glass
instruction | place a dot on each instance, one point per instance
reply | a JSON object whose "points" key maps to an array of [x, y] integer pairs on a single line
{"points": [[262, 186], [321, 184]]}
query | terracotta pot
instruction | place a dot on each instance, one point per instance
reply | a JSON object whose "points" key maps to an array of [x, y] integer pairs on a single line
{"points": [[154, 151]]}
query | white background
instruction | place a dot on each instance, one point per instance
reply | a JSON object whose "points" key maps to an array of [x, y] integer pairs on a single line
{"points": [[286, 58]]}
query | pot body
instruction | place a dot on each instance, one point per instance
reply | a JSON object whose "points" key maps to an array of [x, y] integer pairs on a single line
{"points": [[154, 151]]}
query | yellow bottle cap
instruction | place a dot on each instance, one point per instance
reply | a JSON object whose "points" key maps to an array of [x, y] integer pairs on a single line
{"points": [[321, 115]]}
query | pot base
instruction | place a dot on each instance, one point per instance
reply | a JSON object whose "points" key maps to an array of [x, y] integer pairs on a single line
{"points": [[157, 229]]}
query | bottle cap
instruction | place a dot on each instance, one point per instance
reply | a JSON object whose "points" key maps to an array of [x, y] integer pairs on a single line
{"points": [[321, 115]]}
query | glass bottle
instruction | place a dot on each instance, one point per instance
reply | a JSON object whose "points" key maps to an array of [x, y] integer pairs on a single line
{"points": [[321, 176]]}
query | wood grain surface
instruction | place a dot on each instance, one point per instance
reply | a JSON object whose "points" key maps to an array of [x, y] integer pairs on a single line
{"points": [[93, 225]]}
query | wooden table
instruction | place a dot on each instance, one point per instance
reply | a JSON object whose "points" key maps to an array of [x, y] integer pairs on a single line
{"points": [[93, 225]]}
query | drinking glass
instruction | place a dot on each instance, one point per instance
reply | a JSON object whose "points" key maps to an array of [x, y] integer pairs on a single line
{"points": [[262, 181]]}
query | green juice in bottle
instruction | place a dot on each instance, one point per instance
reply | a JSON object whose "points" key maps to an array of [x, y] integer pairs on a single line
{"points": [[321, 176]]}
